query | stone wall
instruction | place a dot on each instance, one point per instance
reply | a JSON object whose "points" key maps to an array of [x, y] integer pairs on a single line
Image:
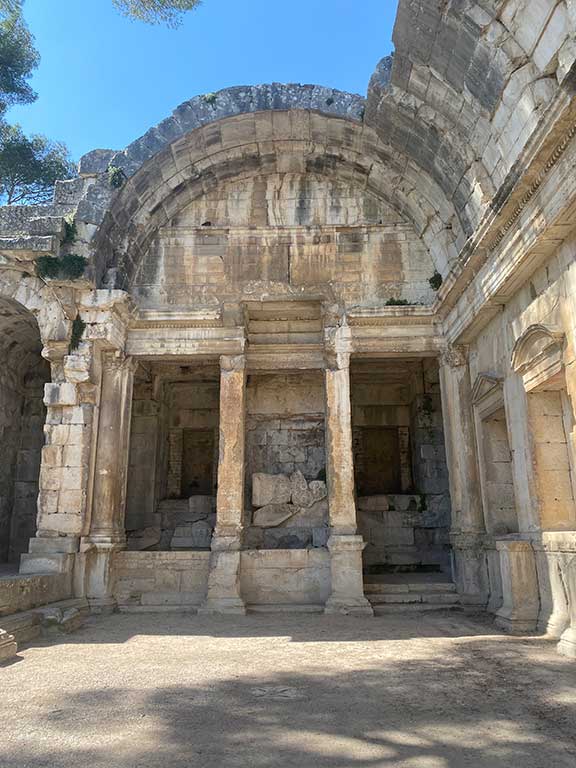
{"points": [[10, 414], [405, 526], [21, 593], [541, 439], [285, 426], [157, 580], [290, 232], [289, 577], [22, 414], [160, 428]]}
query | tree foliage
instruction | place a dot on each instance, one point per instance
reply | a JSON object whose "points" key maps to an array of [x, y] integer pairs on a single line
{"points": [[29, 166], [18, 57], [156, 11]]}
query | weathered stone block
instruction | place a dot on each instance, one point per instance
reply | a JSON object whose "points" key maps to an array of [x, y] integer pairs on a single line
{"points": [[270, 489], [60, 394], [273, 515]]}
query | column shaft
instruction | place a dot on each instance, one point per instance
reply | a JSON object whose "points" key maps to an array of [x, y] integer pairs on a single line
{"points": [[107, 528], [467, 516], [224, 595], [344, 545]]}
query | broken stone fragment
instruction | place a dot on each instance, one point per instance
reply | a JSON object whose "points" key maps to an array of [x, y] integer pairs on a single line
{"points": [[270, 489], [143, 538], [8, 646], [309, 517], [273, 515], [306, 494]]}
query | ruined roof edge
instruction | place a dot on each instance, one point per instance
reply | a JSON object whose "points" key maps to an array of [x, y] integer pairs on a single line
{"points": [[209, 108]]}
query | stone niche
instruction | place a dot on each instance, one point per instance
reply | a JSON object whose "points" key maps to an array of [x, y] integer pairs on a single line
{"points": [[286, 500], [401, 477], [173, 469]]}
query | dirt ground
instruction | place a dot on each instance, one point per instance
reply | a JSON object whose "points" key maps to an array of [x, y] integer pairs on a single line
{"points": [[168, 690]]}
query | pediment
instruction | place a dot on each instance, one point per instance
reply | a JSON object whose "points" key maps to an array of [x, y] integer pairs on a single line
{"points": [[538, 356], [485, 384]]}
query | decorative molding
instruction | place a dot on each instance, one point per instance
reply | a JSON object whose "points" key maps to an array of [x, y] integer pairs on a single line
{"points": [[559, 150], [538, 356], [454, 356], [485, 384]]}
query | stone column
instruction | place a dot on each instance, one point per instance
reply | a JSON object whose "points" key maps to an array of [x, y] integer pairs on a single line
{"points": [[64, 472], [344, 545], [107, 532], [467, 534], [520, 607], [224, 594], [567, 643]]}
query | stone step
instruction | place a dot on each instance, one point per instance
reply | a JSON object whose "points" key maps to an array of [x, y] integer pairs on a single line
{"points": [[377, 588], [132, 608], [285, 608], [25, 627], [429, 598], [385, 609], [64, 616]]}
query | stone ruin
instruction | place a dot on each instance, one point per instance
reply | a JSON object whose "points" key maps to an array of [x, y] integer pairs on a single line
{"points": [[283, 278], [289, 512]]}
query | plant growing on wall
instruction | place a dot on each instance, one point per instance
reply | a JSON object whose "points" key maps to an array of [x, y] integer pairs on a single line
{"points": [[436, 281], [70, 231], [116, 176], [78, 328], [71, 266]]}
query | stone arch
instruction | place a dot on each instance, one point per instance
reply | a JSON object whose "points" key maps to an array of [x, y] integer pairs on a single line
{"points": [[465, 119], [40, 299], [23, 373], [263, 143]]}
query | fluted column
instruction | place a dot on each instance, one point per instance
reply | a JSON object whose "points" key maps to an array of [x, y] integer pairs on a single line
{"points": [[224, 576], [345, 545], [107, 529], [467, 534]]}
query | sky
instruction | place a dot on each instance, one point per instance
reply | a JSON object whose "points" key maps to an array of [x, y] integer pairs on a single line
{"points": [[103, 80]]}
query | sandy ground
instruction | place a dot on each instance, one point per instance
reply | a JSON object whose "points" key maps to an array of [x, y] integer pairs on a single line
{"points": [[418, 691]]}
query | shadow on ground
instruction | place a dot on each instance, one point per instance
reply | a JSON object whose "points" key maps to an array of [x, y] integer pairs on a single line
{"points": [[237, 692]]}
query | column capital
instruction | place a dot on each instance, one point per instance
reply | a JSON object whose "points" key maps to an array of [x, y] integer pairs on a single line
{"points": [[337, 361], [454, 356], [114, 360], [229, 363]]}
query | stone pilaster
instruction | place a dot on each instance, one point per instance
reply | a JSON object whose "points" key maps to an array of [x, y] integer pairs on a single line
{"points": [[107, 532], [344, 545], [468, 530], [224, 577], [567, 644], [65, 467], [520, 607]]}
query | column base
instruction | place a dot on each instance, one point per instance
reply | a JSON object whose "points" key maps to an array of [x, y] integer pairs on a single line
{"points": [[567, 643], [347, 596], [223, 606], [515, 625], [348, 607], [224, 583], [8, 646]]}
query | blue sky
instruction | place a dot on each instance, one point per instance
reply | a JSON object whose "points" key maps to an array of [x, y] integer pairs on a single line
{"points": [[104, 80]]}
